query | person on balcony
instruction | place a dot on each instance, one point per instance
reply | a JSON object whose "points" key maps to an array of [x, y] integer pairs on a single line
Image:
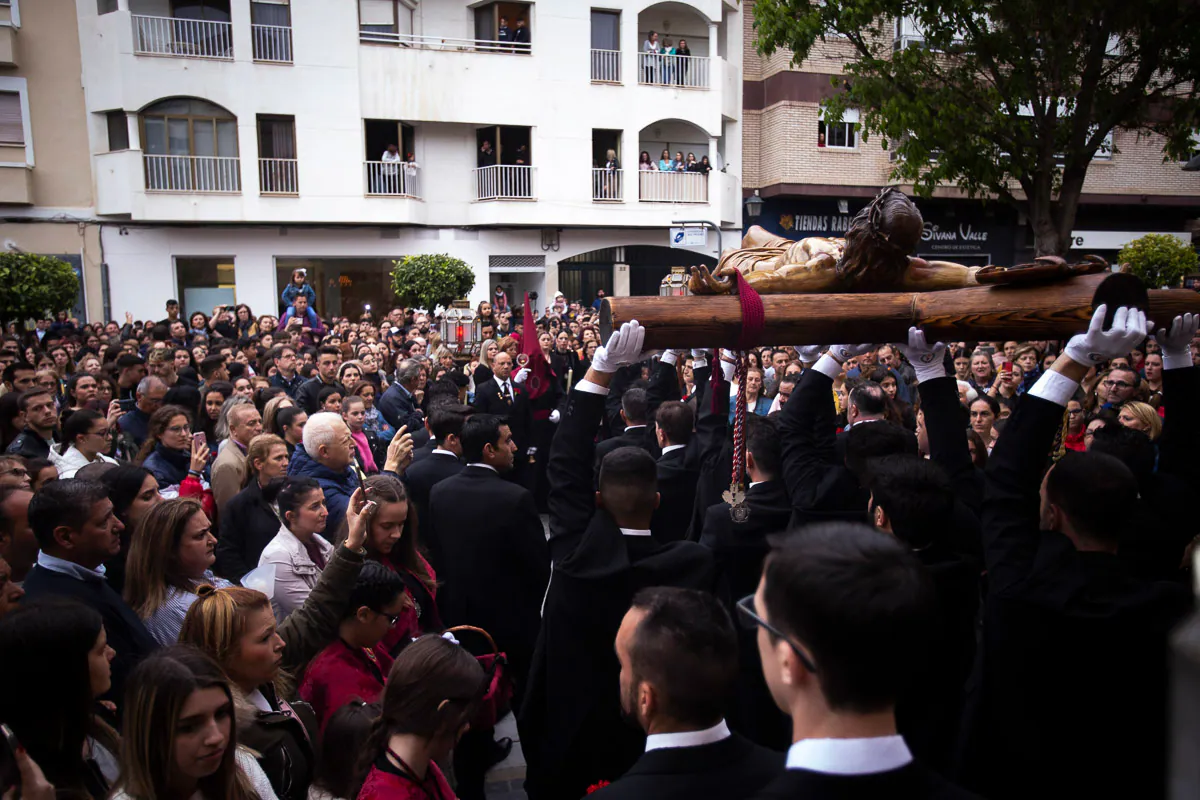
{"points": [[703, 167], [390, 183], [681, 64], [521, 37], [650, 53], [665, 162], [691, 164], [668, 63], [679, 164], [487, 156], [612, 180], [645, 164], [503, 33]]}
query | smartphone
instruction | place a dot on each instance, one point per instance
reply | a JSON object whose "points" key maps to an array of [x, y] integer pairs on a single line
{"points": [[1006, 367], [10, 774], [200, 437], [127, 404]]}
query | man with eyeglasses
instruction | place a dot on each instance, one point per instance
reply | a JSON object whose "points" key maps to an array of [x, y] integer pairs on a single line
{"points": [[844, 616], [356, 663], [1121, 384]]}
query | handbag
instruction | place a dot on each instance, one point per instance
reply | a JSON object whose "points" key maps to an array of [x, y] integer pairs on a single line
{"points": [[499, 689]]}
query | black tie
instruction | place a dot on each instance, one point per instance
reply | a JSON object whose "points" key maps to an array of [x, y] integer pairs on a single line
{"points": [[507, 394]]}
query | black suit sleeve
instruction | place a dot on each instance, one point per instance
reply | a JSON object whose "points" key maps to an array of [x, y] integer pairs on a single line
{"points": [[1011, 498], [531, 551], [807, 437], [1180, 440], [947, 433], [229, 562], [571, 501]]}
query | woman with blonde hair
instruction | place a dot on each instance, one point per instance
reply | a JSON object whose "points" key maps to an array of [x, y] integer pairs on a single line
{"points": [[170, 556], [1141, 417], [179, 739], [250, 521], [236, 626]]}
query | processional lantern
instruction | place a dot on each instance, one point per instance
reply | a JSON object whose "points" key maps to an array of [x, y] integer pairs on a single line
{"points": [[675, 283], [460, 328]]}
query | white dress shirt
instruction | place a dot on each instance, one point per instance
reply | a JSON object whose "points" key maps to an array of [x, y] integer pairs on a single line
{"points": [[634, 532], [671, 447], [660, 741], [485, 466], [438, 450], [849, 756]]}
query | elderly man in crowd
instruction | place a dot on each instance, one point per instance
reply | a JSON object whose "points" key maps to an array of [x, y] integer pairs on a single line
{"points": [[328, 457], [229, 470]]}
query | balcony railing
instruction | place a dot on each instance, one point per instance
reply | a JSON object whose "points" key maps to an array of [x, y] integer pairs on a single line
{"points": [[608, 185], [272, 43], [505, 182], [393, 179], [672, 187], [680, 72], [442, 42], [278, 176], [185, 38], [193, 174], [606, 66]]}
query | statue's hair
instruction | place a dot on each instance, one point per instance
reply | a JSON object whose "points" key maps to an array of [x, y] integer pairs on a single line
{"points": [[879, 241]]}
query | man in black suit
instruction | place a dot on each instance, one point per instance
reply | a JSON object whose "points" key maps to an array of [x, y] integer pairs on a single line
{"points": [[677, 649], [821, 485], [398, 405], [493, 567], [1051, 720], [866, 404], [504, 395], [844, 614], [634, 414], [328, 359], [77, 532], [739, 549], [678, 471], [445, 424], [572, 732]]}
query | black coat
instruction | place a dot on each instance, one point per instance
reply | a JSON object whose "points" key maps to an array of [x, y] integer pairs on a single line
{"points": [[572, 732], [678, 472], [248, 524], [399, 408], [731, 769], [739, 550], [29, 444], [307, 396], [819, 486], [420, 478], [126, 633], [424, 451], [489, 400], [910, 782], [494, 560], [1049, 719]]}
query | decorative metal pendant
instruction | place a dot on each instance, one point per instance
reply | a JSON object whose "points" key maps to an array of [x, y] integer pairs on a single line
{"points": [[417, 606], [736, 497], [739, 514]]}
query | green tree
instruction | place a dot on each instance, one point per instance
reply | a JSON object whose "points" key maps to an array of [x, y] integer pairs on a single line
{"points": [[1006, 98], [1159, 260], [33, 286], [431, 280]]}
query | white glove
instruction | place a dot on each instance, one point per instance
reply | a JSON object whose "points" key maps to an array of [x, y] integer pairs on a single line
{"points": [[555, 416], [728, 368], [1098, 345], [624, 348], [672, 356], [926, 359], [521, 375], [844, 352], [809, 353], [699, 352], [1176, 342]]}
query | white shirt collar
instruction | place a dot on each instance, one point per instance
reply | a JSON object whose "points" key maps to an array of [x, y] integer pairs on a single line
{"points": [[634, 532], [671, 447], [754, 483], [629, 428], [485, 466], [862, 422], [437, 450], [849, 756], [659, 741]]}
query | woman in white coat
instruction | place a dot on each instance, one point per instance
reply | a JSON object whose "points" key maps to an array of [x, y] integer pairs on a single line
{"points": [[298, 552]]}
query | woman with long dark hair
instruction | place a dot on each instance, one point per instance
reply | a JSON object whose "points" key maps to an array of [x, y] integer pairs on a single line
{"points": [[392, 540], [433, 690], [86, 437], [298, 551], [169, 559], [180, 738], [133, 491], [55, 664], [178, 460]]}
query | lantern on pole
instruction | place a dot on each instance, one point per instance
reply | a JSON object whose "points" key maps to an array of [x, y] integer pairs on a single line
{"points": [[460, 328], [675, 283]]}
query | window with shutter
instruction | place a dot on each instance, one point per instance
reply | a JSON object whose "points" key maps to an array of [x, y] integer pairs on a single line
{"points": [[12, 131]]}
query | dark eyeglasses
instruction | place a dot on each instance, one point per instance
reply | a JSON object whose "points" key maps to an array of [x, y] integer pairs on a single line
{"points": [[750, 620], [391, 618], [1117, 385]]}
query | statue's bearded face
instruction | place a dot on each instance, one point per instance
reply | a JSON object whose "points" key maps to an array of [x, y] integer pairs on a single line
{"points": [[879, 242]]}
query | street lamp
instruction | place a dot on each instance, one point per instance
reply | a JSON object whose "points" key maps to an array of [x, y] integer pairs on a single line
{"points": [[754, 205]]}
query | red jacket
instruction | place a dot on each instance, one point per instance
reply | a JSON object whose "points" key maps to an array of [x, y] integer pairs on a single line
{"points": [[381, 785], [340, 673], [408, 626]]}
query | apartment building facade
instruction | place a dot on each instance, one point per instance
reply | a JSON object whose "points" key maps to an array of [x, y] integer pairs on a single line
{"points": [[46, 203], [814, 177], [233, 141]]}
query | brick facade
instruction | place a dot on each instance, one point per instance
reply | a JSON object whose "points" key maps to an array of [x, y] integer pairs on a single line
{"points": [[779, 141]]}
